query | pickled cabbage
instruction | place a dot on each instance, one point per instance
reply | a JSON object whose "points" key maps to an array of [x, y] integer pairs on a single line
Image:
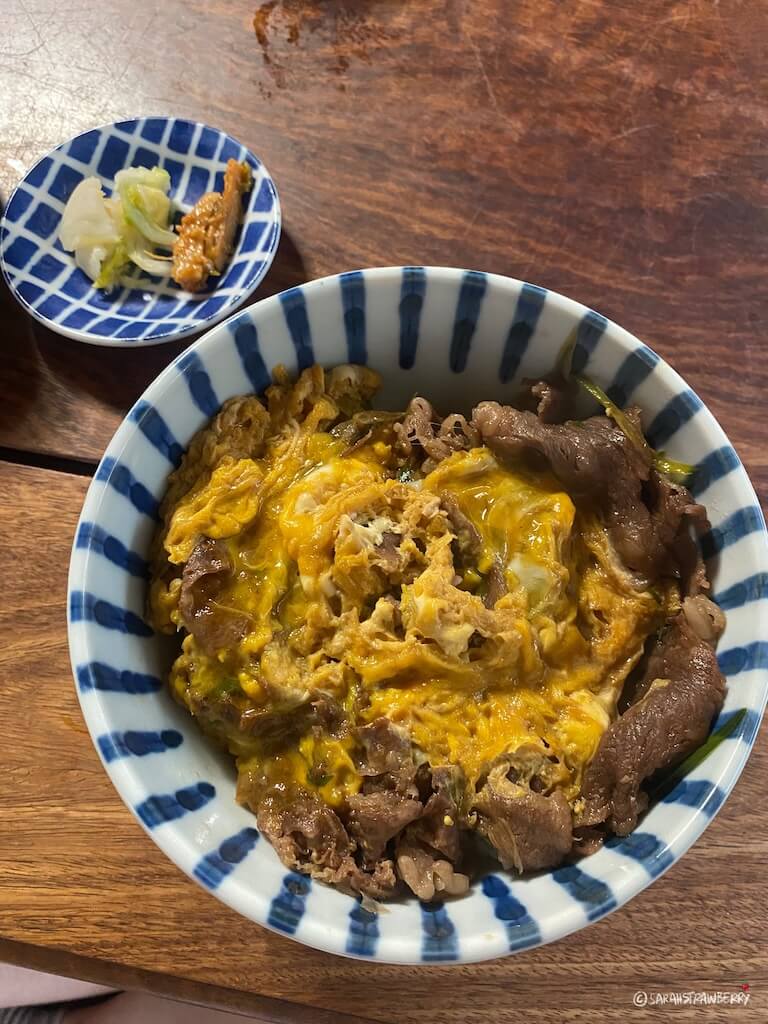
{"points": [[109, 235]]}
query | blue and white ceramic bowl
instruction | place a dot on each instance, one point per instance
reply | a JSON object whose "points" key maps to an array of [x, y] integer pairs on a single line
{"points": [[48, 284], [457, 337]]}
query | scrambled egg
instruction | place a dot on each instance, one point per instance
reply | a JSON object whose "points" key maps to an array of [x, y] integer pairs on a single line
{"points": [[373, 593]]}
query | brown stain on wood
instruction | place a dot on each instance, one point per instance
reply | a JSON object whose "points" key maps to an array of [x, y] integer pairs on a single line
{"points": [[612, 151], [349, 31]]}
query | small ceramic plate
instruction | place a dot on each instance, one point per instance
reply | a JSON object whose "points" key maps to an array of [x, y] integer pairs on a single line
{"points": [[45, 279]]}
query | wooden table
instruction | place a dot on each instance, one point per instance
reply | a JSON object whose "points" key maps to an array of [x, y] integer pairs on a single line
{"points": [[615, 151]]}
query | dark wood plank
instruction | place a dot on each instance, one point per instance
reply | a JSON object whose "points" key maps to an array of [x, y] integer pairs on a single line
{"points": [[83, 890], [134, 979], [612, 151]]}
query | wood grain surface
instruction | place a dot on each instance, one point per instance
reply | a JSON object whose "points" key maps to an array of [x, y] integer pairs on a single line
{"points": [[84, 891], [609, 149]]}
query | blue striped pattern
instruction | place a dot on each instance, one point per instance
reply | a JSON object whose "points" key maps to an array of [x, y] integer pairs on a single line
{"points": [[85, 607], [637, 366], [46, 280], [247, 345], [124, 482], [93, 538], [136, 743], [674, 415], [296, 317], [648, 850], [513, 915], [157, 432], [439, 941], [156, 810], [412, 292], [702, 794], [747, 727], [753, 588], [595, 896], [530, 303], [363, 932], [522, 930], [465, 320], [353, 301], [212, 869], [725, 717], [738, 525], [98, 676], [287, 908], [744, 659], [715, 466], [199, 382], [588, 335]]}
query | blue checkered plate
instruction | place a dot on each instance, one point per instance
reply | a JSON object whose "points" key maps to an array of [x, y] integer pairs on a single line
{"points": [[48, 284]]}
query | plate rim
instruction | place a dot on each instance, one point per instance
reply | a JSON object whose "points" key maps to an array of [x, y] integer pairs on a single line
{"points": [[231, 308]]}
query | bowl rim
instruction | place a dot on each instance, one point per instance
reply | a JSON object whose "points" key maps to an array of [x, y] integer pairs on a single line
{"points": [[237, 894], [233, 305]]}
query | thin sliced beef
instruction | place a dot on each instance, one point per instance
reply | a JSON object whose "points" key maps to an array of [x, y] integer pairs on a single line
{"points": [[646, 515], [380, 883], [208, 570], [529, 830], [681, 692], [424, 431], [205, 575], [457, 434], [671, 511], [553, 400], [310, 837], [692, 568], [359, 429], [587, 840], [427, 874], [418, 807], [496, 583], [387, 751], [377, 817], [388, 552], [705, 618], [585, 456], [429, 851], [468, 539], [418, 428], [439, 826]]}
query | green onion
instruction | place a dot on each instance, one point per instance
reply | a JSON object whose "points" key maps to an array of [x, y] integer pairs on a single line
{"points": [[680, 472], [564, 360], [617, 415], [668, 782]]}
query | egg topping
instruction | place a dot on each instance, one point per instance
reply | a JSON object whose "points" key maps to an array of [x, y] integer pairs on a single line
{"points": [[474, 606]]}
